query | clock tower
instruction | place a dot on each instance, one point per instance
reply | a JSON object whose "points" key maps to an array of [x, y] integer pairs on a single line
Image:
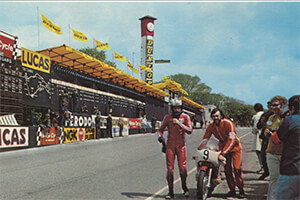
{"points": [[147, 33]]}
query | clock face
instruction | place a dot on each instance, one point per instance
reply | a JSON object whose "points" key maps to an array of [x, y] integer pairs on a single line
{"points": [[150, 27]]}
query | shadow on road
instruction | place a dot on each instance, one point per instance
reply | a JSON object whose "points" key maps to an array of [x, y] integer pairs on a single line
{"points": [[256, 190]]}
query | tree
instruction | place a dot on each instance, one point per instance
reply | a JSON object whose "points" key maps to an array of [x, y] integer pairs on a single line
{"points": [[99, 55], [201, 93]]}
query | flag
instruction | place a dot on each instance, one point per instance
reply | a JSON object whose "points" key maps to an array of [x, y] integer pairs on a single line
{"points": [[50, 25], [100, 45], [79, 36], [129, 65], [144, 68], [119, 57]]}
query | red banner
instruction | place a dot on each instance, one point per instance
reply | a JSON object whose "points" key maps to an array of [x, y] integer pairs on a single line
{"points": [[50, 138], [6, 46], [134, 123]]}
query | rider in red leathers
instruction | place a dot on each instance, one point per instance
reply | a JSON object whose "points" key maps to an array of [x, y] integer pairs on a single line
{"points": [[178, 124]]}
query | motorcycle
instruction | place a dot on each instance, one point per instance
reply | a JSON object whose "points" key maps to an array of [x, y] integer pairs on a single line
{"points": [[208, 164]]}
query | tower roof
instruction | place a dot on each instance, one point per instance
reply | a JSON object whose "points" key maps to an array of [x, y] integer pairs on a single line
{"points": [[148, 17]]}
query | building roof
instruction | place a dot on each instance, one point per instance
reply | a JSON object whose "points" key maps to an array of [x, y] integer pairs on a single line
{"points": [[175, 87], [171, 85], [75, 60]]}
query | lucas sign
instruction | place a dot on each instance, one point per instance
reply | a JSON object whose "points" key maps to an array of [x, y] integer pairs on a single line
{"points": [[35, 61], [14, 137]]}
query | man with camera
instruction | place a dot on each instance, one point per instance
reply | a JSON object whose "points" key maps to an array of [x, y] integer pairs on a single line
{"points": [[273, 150]]}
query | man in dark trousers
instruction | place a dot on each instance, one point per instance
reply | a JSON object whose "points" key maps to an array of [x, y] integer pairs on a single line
{"points": [[153, 123], [262, 125], [109, 125], [289, 134], [98, 125]]}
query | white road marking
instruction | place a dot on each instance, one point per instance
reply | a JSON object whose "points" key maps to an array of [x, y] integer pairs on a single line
{"points": [[166, 187]]}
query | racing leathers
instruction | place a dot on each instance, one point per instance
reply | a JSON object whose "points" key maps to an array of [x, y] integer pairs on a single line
{"points": [[230, 146], [176, 146]]}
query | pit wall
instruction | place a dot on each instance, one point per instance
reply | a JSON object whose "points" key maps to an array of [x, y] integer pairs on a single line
{"points": [[17, 137]]}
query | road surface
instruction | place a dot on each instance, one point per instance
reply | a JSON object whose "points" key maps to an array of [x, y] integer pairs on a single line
{"points": [[130, 167]]}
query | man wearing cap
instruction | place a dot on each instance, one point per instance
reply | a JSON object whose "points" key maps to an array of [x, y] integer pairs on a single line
{"points": [[178, 124]]}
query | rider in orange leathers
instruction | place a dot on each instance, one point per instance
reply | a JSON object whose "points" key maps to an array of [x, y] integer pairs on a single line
{"points": [[230, 145], [178, 124]]}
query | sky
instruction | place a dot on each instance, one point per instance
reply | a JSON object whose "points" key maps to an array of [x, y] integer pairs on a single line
{"points": [[245, 50]]}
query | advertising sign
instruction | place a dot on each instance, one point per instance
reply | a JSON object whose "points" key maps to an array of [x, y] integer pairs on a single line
{"points": [[14, 137], [80, 120], [35, 61], [70, 135], [78, 134], [90, 133], [50, 138], [134, 123], [6, 46]]}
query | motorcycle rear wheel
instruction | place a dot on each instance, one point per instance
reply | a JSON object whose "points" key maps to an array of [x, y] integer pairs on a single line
{"points": [[202, 185]]}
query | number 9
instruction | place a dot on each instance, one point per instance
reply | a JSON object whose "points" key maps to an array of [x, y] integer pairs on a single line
{"points": [[205, 154]]}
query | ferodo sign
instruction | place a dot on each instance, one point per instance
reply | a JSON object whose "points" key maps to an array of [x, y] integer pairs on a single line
{"points": [[35, 61], [13, 137], [77, 120]]}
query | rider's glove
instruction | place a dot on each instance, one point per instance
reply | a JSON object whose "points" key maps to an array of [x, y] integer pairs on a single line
{"points": [[161, 139]]}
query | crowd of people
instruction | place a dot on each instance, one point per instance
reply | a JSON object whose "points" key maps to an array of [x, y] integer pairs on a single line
{"points": [[279, 134], [276, 143]]}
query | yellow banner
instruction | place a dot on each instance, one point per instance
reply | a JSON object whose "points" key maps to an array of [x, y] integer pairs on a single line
{"points": [[135, 70], [79, 36], [35, 61], [129, 65], [50, 25], [100, 45], [144, 68], [119, 57]]}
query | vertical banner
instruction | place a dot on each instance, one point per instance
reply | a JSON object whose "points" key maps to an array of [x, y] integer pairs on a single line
{"points": [[147, 59]]}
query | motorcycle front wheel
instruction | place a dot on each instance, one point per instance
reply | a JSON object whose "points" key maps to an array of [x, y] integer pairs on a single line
{"points": [[202, 185]]}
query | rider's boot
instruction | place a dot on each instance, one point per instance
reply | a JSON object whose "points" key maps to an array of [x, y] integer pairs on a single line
{"points": [[170, 180], [216, 179], [183, 177]]}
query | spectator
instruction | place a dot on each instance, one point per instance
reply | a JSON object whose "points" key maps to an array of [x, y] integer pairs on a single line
{"points": [[55, 124], [47, 122], [40, 123], [98, 125], [153, 123], [178, 123], [224, 130], [289, 134], [65, 113], [144, 124], [64, 97], [121, 125], [34, 118], [95, 110], [262, 125], [74, 100], [84, 108], [273, 150], [109, 126], [256, 132]]}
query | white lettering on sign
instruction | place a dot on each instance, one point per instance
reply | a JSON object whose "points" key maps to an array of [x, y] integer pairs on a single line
{"points": [[6, 47], [13, 136]]}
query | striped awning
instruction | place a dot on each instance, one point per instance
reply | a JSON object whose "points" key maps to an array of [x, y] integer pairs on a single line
{"points": [[80, 62]]}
